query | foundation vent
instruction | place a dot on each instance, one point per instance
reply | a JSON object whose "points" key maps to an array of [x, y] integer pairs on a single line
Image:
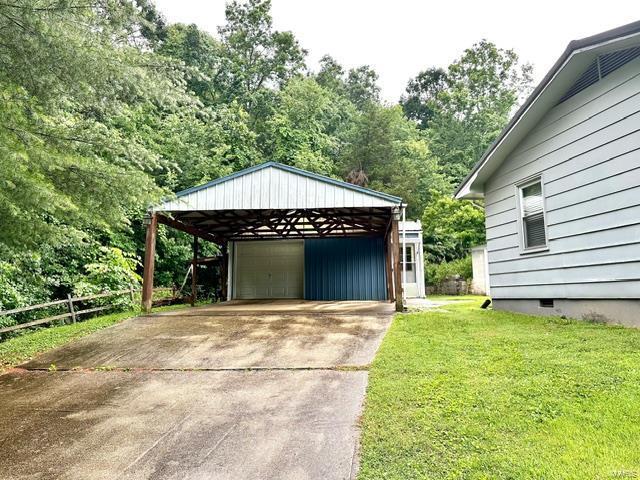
{"points": [[546, 302]]}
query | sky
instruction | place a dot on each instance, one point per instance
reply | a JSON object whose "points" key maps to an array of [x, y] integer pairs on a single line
{"points": [[399, 38]]}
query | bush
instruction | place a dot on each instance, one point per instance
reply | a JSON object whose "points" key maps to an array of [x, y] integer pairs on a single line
{"points": [[31, 279], [112, 271], [22, 283], [436, 274]]}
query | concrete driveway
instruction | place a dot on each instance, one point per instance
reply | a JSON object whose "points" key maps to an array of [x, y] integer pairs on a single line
{"points": [[241, 390]]}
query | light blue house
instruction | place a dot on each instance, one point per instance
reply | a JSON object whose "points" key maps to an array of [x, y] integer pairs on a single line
{"points": [[561, 187]]}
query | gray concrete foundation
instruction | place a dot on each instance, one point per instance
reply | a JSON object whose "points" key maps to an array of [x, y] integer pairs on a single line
{"points": [[616, 312]]}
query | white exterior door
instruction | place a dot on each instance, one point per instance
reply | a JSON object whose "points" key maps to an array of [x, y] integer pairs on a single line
{"points": [[270, 269], [410, 283]]}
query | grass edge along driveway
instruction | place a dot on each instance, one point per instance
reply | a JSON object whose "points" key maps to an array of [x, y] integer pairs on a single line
{"points": [[463, 393], [32, 342]]}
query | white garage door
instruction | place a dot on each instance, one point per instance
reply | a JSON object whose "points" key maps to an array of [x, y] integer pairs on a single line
{"points": [[272, 269]]}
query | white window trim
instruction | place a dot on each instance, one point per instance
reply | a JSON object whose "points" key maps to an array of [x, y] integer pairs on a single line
{"points": [[521, 239], [412, 260]]}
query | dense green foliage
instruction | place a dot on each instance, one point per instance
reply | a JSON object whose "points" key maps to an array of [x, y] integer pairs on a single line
{"points": [[451, 228], [464, 108], [436, 273], [461, 392], [105, 107]]}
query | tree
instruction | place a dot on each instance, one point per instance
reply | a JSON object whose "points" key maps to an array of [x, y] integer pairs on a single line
{"points": [[153, 26], [386, 152], [68, 153], [205, 143], [202, 55], [331, 75], [255, 56], [421, 100], [358, 85], [450, 228], [78, 85], [308, 127], [362, 87], [466, 107]]}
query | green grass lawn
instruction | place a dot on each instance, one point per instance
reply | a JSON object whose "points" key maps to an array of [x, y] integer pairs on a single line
{"points": [[23, 347], [470, 394], [458, 298]]}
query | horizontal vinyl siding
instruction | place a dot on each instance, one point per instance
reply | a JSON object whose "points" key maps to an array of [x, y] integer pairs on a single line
{"points": [[593, 100], [609, 203], [575, 259], [587, 273], [628, 235], [601, 290], [588, 152]]}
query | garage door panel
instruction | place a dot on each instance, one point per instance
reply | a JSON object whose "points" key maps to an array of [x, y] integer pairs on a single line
{"points": [[269, 269], [285, 284]]}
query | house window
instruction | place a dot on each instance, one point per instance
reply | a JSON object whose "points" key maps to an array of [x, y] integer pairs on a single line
{"points": [[534, 231], [410, 258]]}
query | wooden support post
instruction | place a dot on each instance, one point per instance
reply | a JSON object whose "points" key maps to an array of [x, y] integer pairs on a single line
{"points": [[388, 251], [132, 293], [149, 263], [194, 272], [396, 264], [71, 309], [224, 273]]}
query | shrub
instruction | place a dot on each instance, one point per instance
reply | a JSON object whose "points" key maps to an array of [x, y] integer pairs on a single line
{"points": [[114, 270], [437, 273]]}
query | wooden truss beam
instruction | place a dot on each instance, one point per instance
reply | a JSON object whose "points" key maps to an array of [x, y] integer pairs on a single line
{"points": [[275, 224], [179, 225]]}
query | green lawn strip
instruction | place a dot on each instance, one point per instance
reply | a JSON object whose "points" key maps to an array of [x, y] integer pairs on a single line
{"points": [[464, 393], [21, 348], [458, 298]]}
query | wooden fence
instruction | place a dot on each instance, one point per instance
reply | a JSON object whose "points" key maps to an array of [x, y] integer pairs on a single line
{"points": [[72, 312]]}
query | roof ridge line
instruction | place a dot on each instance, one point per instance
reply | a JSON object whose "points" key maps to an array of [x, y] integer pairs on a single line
{"points": [[292, 169]]}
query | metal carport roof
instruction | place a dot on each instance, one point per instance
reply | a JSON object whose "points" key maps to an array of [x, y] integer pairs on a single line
{"points": [[273, 200]]}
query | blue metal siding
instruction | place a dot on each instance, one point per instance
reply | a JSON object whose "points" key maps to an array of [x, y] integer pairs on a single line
{"points": [[344, 269]]}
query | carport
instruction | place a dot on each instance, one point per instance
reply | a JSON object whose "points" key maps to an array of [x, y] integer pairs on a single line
{"points": [[288, 233]]}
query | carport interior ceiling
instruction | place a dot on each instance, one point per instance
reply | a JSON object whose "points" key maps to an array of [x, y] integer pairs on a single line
{"points": [[275, 201], [225, 225]]}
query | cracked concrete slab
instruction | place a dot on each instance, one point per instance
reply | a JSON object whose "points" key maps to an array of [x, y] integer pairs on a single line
{"points": [[151, 420], [177, 425], [241, 335]]}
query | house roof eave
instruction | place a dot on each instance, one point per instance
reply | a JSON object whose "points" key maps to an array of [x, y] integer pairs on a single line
{"points": [[575, 57]]}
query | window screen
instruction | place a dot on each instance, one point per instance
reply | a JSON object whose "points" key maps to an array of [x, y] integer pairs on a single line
{"points": [[533, 216], [410, 259]]}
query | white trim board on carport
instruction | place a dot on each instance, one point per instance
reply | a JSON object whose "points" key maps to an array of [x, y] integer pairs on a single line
{"points": [[276, 186]]}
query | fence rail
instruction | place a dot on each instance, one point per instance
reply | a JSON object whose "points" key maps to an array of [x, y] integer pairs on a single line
{"points": [[72, 312]]}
